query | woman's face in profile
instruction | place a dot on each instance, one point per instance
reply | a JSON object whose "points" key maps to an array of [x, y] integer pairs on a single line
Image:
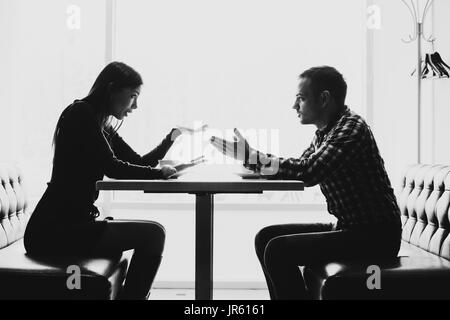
{"points": [[124, 101]]}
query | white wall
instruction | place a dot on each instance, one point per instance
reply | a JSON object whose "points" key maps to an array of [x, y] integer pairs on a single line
{"points": [[395, 90], [6, 111], [394, 98], [442, 86]]}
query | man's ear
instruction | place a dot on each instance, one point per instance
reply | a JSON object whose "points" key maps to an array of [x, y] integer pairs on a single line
{"points": [[325, 97]]}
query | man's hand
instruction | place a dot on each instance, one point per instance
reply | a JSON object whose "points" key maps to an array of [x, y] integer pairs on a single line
{"points": [[167, 171], [239, 149], [178, 131]]}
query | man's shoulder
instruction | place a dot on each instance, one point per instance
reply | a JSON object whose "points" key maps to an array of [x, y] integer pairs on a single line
{"points": [[351, 118], [351, 123], [351, 115]]}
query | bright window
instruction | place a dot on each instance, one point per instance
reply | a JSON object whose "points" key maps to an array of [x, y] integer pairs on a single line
{"points": [[234, 64], [50, 55]]}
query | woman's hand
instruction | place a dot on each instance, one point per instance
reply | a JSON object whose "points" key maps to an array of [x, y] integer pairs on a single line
{"points": [[167, 171], [178, 131]]}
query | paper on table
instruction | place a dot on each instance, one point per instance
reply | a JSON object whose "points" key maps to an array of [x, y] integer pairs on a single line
{"points": [[193, 162]]}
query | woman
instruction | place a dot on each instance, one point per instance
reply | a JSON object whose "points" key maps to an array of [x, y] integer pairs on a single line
{"points": [[86, 148]]}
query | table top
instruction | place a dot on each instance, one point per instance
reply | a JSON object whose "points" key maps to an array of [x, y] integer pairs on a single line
{"points": [[193, 184]]}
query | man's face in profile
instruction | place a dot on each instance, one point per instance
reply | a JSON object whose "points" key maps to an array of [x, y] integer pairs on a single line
{"points": [[306, 104]]}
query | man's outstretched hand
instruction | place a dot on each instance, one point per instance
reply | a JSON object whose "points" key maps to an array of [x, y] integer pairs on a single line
{"points": [[238, 149]]}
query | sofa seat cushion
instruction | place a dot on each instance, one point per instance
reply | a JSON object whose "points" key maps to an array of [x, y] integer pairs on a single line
{"points": [[26, 277], [415, 274], [410, 250]]}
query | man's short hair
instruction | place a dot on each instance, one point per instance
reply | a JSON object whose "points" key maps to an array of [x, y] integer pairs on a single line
{"points": [[327, 78]]}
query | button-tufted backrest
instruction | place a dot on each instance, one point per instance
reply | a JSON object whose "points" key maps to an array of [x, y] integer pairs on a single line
{"points": [[14, 213], [424, 201]]}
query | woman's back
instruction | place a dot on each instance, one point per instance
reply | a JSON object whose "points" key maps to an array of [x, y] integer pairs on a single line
{"points": [[76, 167]]}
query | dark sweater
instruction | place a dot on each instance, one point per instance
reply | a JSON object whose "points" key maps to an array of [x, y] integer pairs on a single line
{"points": [[85, 154]]}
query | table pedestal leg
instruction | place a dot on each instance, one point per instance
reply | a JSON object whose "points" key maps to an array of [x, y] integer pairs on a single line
{"points": [[204, 209]]}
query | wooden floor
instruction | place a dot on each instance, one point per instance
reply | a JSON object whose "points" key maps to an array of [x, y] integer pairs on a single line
{"points": [[219, 294]]}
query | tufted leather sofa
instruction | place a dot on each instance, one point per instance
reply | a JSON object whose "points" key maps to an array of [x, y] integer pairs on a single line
{"points": [[27, 277], [422, 268]]}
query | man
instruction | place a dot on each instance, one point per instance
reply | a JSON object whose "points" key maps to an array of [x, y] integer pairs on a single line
{"points": [[344, 160]]}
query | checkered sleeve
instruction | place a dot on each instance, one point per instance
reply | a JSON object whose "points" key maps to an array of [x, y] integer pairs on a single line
{"points": [[343, 144], [310, 150], [253, 161]]}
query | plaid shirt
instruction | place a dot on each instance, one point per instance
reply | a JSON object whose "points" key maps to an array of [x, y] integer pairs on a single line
{"points": [[344, 160]]}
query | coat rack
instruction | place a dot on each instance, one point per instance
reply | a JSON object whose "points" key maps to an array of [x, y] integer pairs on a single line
{"points": [[419, 35]]}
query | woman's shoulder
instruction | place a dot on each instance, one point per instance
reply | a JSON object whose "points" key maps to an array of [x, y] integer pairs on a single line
{"points": [[79, 109], [79, 106], [79, 113]]}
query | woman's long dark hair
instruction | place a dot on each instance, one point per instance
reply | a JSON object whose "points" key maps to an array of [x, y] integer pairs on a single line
{"points": [[114, 77]]}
